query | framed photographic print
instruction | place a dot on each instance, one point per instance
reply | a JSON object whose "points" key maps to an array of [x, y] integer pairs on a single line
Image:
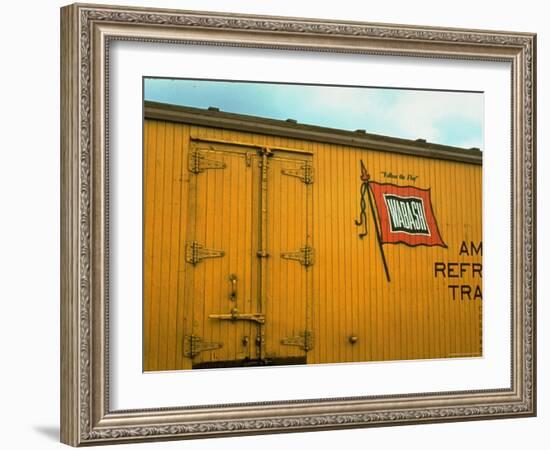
{"points": [[276, 224]]}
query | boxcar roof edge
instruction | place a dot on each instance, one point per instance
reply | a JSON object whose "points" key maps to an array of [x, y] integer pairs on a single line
{"points": [[213, 117]]}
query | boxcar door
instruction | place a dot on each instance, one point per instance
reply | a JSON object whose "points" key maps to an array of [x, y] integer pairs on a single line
{"points": [[287, 281], [221, 316]]}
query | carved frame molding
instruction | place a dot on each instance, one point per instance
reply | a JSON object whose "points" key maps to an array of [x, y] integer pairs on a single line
{"points": [[86, 32]]}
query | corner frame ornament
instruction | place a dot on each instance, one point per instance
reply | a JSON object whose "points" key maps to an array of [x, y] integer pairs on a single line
{"points": [[86, 416]]}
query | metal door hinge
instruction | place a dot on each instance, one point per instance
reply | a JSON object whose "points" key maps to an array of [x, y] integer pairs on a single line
{"points": [[193, 345], [234, 315], [196, 252], [304, 173], [305, 256], [198, 162], [304, 340]]}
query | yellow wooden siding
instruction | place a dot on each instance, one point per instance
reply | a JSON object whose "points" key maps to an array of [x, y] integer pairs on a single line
{"points": [[165, 212], [411, 317]]}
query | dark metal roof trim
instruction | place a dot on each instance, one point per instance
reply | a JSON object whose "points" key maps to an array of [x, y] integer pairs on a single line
{"points": [[218, 119]]}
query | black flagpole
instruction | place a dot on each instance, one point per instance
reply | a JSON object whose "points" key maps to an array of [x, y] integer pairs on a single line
{"points": [[365, 177]]}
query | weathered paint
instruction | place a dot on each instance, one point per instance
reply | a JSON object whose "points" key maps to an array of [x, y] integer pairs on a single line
{"points": [[344, 293]]}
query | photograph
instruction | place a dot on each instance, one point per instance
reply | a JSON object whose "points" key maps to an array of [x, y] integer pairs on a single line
{"points": [[289, 223]]}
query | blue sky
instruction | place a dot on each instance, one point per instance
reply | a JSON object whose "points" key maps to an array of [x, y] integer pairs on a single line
{"points": [[443, 117]]}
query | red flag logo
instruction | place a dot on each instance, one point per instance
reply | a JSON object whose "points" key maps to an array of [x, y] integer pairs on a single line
{"points": [[405, 214]]}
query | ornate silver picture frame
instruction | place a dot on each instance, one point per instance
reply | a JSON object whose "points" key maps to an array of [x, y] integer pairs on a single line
{"points": [[87, 413]]}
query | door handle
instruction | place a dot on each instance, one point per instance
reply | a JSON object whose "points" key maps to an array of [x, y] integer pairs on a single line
{"points": [[235, 315], [233, 294]]}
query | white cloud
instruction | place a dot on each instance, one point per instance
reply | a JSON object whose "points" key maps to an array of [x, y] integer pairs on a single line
{"points": [[403, 113], [418, 113]]}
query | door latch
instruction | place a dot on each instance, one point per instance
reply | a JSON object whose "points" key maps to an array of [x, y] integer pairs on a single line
{"points": [[234, 315], [233, 294]]}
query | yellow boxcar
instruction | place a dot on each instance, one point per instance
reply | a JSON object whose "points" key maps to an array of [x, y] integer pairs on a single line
{"points": [[272, 242]]}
